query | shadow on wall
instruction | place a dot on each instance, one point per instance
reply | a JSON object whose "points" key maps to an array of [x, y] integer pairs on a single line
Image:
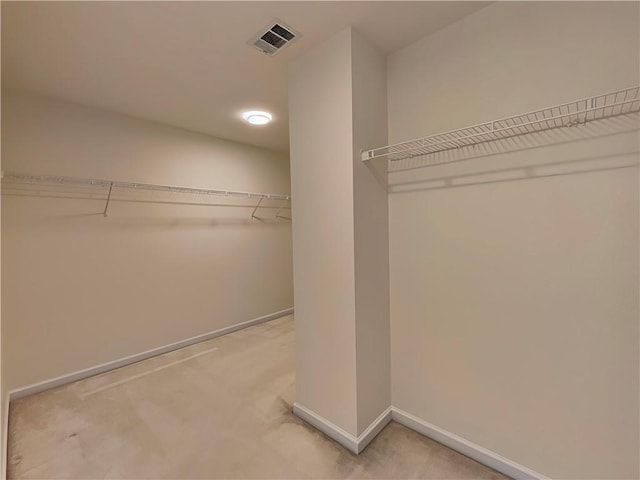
{"points": [[151, 208], [138, 223], [599, 145]]}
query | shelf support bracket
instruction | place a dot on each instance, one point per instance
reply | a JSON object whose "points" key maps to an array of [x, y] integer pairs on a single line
{"points": [[281, 216], [253, 214], [593, 106], [106, 207]]}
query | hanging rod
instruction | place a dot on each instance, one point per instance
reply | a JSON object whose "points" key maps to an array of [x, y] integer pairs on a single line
{"points": [[22, 178], [578, 112]]}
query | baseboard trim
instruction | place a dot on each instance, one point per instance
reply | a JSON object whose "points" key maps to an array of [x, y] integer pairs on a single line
{"points": [[138, 357], [465, 447], [344, 438], [5, 438], [374, 429]]}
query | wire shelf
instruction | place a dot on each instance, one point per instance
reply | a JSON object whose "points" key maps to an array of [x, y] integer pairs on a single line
{"points": [[578, 112], [21, 178], [50, 186]]}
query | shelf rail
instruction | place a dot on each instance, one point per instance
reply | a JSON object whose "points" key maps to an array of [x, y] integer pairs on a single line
{"points": [[56, 180], [578, 112]]}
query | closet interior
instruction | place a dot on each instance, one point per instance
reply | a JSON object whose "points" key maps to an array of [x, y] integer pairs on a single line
{"points": [[235, 245]]}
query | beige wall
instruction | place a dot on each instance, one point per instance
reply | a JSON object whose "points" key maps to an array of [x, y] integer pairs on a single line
{"points": [[514, 295], [79, 289]]}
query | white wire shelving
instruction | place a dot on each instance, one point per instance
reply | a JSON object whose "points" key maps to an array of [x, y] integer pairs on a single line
{"points": [[578, 112], [9, 179]]}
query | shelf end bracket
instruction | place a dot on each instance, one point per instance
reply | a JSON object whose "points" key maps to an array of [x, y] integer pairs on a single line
{"points": [[106, 207], [253, 214]]}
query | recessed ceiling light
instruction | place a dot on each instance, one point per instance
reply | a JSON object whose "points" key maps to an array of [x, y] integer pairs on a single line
{"points": [[257, 117]]}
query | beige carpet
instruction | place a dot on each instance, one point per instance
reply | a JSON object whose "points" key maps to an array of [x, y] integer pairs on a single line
{"points": [[219, 409]]}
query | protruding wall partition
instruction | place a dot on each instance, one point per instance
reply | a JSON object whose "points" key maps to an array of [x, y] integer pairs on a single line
{"points": [[337, 103]]}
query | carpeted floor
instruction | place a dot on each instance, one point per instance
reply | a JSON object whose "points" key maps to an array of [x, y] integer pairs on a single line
{"points": [[218, 409]]}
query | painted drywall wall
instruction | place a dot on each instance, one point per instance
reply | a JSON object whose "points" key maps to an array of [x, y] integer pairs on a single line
{"points": [[337, 101], [371, 227], [514, 294], [320, 133], [79, 289]]}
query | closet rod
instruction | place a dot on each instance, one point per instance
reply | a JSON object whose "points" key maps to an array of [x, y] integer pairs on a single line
{"points": [[578, 112], [22, 178]]}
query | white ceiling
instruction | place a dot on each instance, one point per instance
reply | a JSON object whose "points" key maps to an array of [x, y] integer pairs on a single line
{"points": [[188, 64]]}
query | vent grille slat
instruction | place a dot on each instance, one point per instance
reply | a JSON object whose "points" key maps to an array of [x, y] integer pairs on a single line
{"points": [[283, 32], [273, 39]]}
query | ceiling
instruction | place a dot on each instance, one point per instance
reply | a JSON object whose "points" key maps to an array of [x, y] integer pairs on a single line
{"points": [[188, 64]]}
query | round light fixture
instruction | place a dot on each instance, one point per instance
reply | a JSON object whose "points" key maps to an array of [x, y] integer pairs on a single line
{"points": [[257, 117]]}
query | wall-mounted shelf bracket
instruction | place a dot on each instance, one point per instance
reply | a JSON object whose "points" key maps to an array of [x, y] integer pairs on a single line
{"points": [[106, 207], [253, 214], [282, 216]]}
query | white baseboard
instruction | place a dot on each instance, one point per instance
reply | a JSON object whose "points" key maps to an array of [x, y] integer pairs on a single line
{"points": [[105, 367], [451, 440], [5, 437], [465, 447], [374, 429], [347, 440]]}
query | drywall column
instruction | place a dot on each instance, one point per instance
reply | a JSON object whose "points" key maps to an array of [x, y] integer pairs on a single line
{"points": [[371, 233], [337, 103]]}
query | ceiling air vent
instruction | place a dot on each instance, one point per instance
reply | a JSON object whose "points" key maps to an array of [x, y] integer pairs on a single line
{"points": [[274, 38]]}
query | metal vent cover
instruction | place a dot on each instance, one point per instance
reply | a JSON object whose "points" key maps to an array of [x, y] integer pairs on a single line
{"points": [[274, 38]]}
